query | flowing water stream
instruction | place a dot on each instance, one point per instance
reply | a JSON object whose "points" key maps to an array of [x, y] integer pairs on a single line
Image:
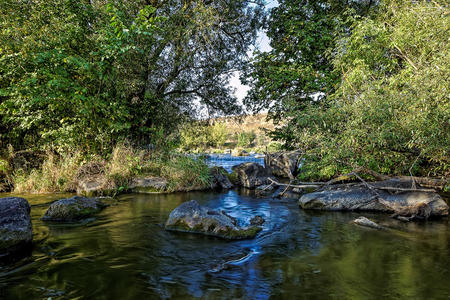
{"points": [[125, 253]]}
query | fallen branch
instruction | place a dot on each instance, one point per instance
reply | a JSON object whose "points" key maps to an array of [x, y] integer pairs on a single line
{"points": [[389, 188], [267, 187], [369, 186], [301, 186]]}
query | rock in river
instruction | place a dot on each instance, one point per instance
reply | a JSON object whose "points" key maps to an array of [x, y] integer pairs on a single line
{"points": [[359, 198], [283, 164], [220, 178], [363, 221], [15, 223], [251, 175], [73, 209], [257, 220], [192, 217]]}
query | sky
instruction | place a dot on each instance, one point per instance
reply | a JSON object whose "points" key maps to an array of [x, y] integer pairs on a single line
{"points": [[262, 45]]}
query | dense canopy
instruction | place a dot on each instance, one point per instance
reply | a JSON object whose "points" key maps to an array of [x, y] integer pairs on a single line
{"points": [[359, 83], [90, 73]]}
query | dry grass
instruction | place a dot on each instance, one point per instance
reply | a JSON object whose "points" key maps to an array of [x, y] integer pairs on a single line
{"points": [[65, 173], [57, 174], [256, 123]]}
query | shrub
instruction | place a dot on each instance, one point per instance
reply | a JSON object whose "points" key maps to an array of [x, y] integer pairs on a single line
{"points": [[218, 135], [246, 139]]}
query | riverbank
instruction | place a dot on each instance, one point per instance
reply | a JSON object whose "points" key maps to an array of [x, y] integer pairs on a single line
{"points": [[110, 175]]}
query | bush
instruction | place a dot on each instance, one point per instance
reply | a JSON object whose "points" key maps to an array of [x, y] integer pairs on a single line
{"points": [[391, 112], [246, 139], [218, 135], [194, 135], [274, 147], [64, 173]]}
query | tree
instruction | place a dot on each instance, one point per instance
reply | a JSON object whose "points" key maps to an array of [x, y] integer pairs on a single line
{"points": [[90, 73], [391, 110], [298, 70]]}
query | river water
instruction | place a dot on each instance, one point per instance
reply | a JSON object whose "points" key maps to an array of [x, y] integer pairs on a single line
{"points": [[125, 253]]}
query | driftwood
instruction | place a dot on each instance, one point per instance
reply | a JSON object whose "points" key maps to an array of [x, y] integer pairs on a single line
{"points": [[371, 187], [301, 186]]}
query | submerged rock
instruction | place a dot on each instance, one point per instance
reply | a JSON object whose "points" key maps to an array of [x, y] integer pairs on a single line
{"points": [[220, 178], [148, 185], [363, 221], [15, 224], [192, 217], [257, 220], [73, 209], [264, 190], [283, 164], [288, 193], [251, 175], [359, 198]]}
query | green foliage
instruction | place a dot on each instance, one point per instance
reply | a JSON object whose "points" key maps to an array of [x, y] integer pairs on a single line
{"points": [[274, 146], [298, 70], [219, 134], [245, 139], [89, 74], [4, 166], [391, 111], [186, 173], [201, 135], [194, 135]]}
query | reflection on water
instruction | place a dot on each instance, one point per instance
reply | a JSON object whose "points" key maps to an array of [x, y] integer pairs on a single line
{"points": [[124, 253]]}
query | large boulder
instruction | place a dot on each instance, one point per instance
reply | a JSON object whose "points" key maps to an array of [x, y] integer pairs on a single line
{"points": [[220, 178], [192, 217], [73, 209], [283, 164], [358, 197], [251, 175], [15, 224], [149, 185]]}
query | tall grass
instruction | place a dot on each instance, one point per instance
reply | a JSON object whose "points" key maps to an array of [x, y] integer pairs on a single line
{"points": [[64, 173], [57, 174], [186, 173]]}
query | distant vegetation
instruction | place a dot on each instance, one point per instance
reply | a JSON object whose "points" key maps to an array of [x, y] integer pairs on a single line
{"points": [[250, 133]]}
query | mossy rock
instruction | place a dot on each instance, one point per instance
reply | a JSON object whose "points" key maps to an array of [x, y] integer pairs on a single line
{"points": [[193, 218], [73, 209]]}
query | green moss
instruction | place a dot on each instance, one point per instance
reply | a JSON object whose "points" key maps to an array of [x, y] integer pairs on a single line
{"points": [[233, 177], [242, 233]]}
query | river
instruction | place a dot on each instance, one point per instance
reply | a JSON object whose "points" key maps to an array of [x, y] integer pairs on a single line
{"points": [[125, 253]]}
